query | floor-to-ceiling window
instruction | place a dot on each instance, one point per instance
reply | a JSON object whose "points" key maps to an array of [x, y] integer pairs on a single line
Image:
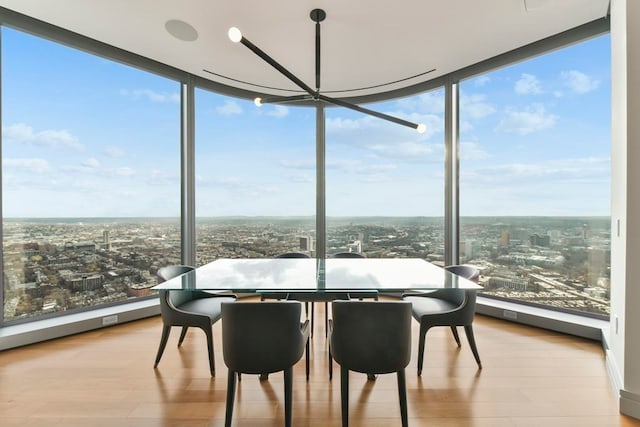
{"points": [[385, 182], [255, 178], [90, 178], [535, 178], [91, 171]]}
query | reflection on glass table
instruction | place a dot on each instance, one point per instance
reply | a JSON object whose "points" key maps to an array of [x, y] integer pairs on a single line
{"points": [[318, 276]]}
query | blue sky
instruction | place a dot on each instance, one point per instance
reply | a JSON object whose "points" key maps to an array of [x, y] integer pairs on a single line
{"points": [[83, 136]]}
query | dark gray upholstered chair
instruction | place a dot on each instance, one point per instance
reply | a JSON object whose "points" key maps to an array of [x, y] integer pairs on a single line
{"points": [[188, 308], [447, 307], [262, 338], [372, 338]]}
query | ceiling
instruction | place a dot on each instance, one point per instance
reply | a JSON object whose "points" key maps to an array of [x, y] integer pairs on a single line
{"points": [[368, 46]]}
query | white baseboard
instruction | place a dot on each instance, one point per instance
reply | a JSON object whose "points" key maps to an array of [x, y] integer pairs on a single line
{"points": [[630, 404]]}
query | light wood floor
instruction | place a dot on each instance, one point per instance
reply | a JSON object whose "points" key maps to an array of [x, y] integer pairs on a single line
{"points": [[531, 378]]}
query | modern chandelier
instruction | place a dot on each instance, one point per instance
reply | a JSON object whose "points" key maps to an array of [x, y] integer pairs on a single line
{"points": [[317, 16]]}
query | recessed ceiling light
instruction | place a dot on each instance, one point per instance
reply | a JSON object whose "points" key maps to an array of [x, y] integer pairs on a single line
{"points": [[181, 30]]}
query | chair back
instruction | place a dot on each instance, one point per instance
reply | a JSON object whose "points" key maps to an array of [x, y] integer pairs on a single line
{"points": [[293, 255], [348, 255], [465, 299], [175, 298], [466, 271], [261, 337], [371, 337]]}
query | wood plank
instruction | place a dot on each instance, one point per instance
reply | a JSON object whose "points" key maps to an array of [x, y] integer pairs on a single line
{"points": [[531, 377]]}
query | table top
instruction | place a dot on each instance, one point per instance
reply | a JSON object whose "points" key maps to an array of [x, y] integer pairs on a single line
{"points": [[290, 275]]}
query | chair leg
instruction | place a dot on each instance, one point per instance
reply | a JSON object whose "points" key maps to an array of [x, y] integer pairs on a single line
{"points": [[326, 319], [344, 395], [182, 335], [454, 331], [423, 333], [163, 343], [330, 364], [212, 367], [306, 361], [231, 394], [402, 394], [468, 329], [288, 392], [312, 316], [329, 328]]}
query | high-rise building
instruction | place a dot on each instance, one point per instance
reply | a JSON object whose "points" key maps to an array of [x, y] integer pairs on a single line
{"points": [[504, 238], [106, 240], [537, 240]]}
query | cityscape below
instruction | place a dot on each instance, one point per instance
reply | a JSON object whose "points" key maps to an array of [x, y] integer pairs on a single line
{"points": [[54, 265]]}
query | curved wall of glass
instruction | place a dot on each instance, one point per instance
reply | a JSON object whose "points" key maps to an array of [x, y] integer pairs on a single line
{"points": [[91, 177]]}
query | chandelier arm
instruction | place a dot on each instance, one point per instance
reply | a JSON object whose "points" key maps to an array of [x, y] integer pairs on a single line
{"points": [[269, 60], [360, 109], [317, 15], [285, 99]]}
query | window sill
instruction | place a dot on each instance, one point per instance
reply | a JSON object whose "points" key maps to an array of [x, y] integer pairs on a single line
{"points": [[567, 323], [47, 329]]}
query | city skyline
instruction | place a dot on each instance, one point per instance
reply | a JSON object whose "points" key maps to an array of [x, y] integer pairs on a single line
{"points": [[63, 264]]}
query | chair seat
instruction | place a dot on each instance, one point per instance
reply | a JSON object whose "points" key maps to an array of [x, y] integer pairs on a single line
{"points": [[206, 306], [424, 306]]}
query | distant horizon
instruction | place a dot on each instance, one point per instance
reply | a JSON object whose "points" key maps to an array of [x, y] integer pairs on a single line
{"points": [[299, 216]]}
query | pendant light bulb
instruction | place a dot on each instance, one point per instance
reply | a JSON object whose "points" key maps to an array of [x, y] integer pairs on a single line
{"points": [[234, 34]]}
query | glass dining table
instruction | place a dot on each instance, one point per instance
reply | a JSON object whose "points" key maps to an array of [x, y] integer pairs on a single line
{"points": [[318, 278]]}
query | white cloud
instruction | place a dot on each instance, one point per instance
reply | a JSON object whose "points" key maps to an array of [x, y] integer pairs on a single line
{"points": [[25, 134], [385, 140], [409, 151], [528, 84], [155, 177], [113, 151], [151, 95], [339, 124], [579, 82], [475, 106], [374, 169], [123, 171], [300, 178], [481, 81], [369, 128], [229, 108], [533, 119], [91, 162], [277, 111], [472, 151], [32, 165], [359, 168], [298, 164], [559, 171], [429, 102]]}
